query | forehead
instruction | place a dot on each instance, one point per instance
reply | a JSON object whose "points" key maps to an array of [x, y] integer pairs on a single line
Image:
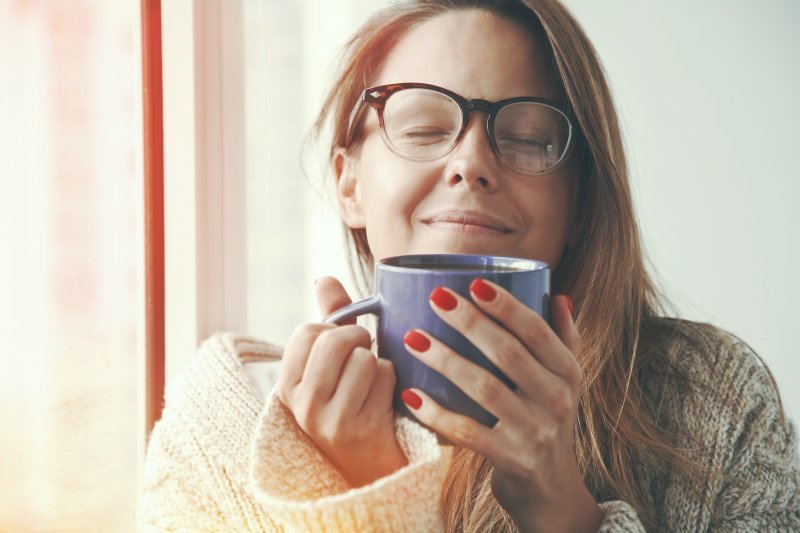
{"points": [[475, 54]]}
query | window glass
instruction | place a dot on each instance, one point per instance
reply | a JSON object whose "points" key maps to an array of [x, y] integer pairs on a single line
{"points": [[70, 253], [293, 232]]}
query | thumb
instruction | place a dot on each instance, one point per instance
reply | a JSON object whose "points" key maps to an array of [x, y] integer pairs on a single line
{"points": [[331, 296]]}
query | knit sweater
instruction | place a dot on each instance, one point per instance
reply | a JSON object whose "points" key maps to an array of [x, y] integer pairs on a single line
{"points": [[225, 458]]}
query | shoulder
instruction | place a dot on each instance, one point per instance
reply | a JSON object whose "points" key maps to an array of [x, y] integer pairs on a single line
{"points": [[717, 360], [709, 377], [703, 353]]}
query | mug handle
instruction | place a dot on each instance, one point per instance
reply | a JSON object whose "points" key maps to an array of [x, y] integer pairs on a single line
{"points": [[362, 307]]}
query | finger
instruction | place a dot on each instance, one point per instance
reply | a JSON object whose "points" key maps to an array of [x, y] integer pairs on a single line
{"points": [[328, 357], [476, 382], [381, 392], [331, 295], [458, 429], [295, 356], [354, 384], [496, 342], [529, 327], [563, 324]]}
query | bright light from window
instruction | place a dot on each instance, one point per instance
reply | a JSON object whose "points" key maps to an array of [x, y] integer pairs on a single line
{"points": [[69, 253]]}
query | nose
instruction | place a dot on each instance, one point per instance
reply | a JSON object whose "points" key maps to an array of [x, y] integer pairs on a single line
{"points": [[473, 162]]}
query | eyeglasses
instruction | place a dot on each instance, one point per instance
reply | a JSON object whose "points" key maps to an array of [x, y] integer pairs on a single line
{"points": [[422, 122]]}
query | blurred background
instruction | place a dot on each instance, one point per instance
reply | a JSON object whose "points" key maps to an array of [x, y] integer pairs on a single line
{"points": [[706, 93]]}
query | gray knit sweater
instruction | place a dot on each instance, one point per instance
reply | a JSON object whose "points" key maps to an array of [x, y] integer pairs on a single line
{"points": [[226, 458]]}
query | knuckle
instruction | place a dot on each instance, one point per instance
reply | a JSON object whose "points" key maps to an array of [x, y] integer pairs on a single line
{"points": [[325, 341], [362, 354], [507, 352], [303, 411], [301, 331], [469, 318], [385, 364], [385, 372], [357, 333], [302, 338], [538, 332], [527, 467], [504, 307], [337, 338], [561, 403], [575, 375], [331, 432], [310, 330], [310, 399], [522, 465], [284, 392], [489, 388], [366, 362], [464, 432], [547, 433]]}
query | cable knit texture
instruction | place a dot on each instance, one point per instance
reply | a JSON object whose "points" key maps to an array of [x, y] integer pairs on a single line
{"points": [[222, 458]]}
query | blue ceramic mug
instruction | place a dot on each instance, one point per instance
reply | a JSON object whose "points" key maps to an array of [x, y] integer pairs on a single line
{"points": [[402, 286]]}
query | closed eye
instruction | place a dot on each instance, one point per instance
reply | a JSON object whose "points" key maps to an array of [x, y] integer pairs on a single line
{"points": [[523, 145], [423, 136]]}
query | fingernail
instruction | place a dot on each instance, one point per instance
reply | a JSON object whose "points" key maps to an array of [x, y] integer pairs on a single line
{"points": [[443, 299], [482, 290], [411, 399], [569, 304], [417, 341]]}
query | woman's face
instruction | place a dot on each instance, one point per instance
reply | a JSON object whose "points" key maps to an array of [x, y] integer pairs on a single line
{"points": [[401, 203]]}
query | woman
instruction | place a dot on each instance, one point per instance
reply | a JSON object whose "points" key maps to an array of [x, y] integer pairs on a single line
{"points": [[621, 419]]}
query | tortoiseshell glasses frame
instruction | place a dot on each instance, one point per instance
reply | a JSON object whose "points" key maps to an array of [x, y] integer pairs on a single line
{"points": [[522, 155]]}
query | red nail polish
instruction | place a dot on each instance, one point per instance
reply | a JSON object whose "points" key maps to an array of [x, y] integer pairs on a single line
{"points": [[482, 290], [569, 304], [417, 341], [411, 399], [443, 299]]}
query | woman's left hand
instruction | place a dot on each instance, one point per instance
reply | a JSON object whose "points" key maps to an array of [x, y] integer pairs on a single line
{"points": [[531, 447]]}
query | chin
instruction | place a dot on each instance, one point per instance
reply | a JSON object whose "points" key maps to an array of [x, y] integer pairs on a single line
{"points": [[466, 247]]}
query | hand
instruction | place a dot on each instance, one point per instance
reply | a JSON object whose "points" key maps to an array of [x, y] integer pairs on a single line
{"points": [[536, 478], [341, 394]]}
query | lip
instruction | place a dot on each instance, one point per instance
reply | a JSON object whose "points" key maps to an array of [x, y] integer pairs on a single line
{"points": [[467, 220]]}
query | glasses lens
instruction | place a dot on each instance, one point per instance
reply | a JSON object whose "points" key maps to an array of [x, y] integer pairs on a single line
{"points": [[420, 123], [531, 138]]}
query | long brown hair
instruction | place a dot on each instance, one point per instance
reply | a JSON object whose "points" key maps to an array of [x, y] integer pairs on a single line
{"points": [[617, 434]]}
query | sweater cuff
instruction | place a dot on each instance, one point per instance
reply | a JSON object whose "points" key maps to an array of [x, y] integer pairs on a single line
{"points": [[301, 489], [620, 517]]}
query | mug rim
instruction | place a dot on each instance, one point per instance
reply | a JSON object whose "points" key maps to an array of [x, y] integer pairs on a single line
{"points": [[521, 265]]}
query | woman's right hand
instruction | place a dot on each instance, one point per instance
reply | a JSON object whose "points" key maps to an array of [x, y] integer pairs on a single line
{"points": [[340, 393]]}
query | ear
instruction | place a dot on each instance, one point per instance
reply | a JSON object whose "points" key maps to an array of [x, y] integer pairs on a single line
{"points": [[348, 194]]}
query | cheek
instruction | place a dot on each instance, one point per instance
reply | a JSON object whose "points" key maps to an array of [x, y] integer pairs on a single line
{"points": [[548, 211], [391, 186]]}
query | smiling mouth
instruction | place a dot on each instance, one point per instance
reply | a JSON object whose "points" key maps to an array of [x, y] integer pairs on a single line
{"points": [[468, 222]]}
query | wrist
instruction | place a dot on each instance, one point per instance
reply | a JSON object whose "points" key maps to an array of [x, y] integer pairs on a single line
{"points": [[365, 469], [580, 515]]}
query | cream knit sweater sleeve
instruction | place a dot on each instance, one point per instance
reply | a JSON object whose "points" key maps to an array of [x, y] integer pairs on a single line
{"points": [[223, 459], [302, 490]]}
